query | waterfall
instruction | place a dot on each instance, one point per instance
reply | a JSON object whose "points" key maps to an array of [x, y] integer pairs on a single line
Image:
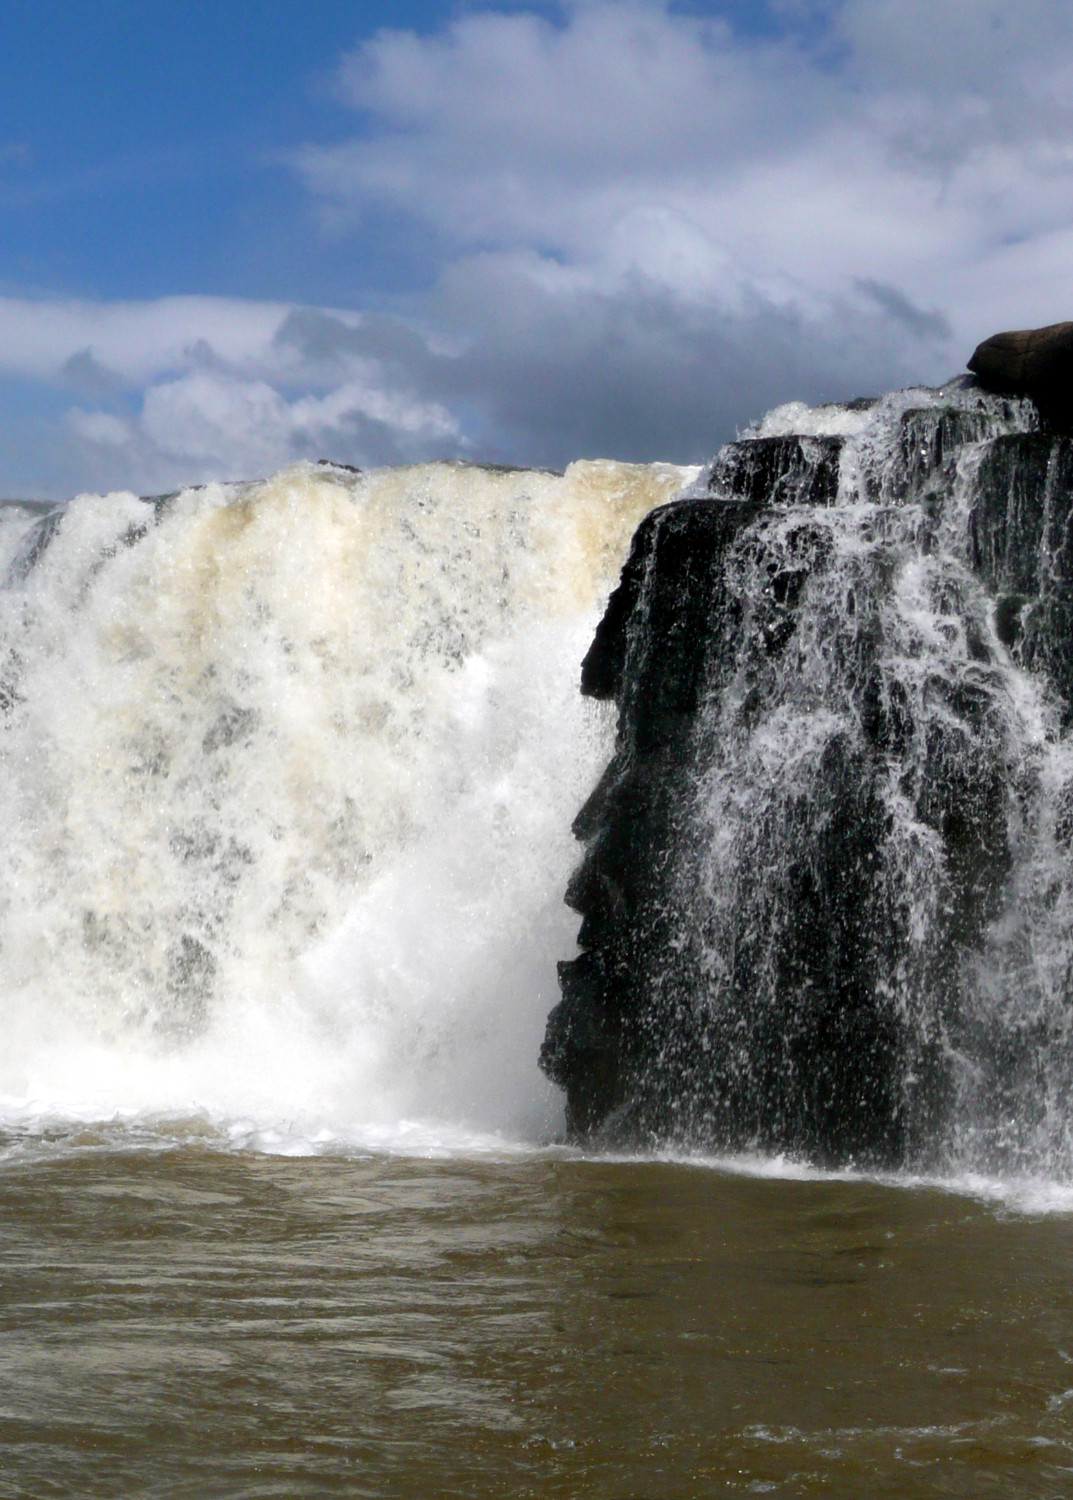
{"points": [[286, 773], [826, 894], [288, 770]]}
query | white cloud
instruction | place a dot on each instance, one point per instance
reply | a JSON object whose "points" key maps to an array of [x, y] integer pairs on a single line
{"points": [[648, 226], [136, 340], [248, 425], [907, 143], [190, 388], [403, 414], [100, 427], [508, 129], [210, 416]]}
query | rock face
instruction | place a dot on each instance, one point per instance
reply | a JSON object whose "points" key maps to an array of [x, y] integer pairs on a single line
{"points": [[838, 669], [1033, 362]]}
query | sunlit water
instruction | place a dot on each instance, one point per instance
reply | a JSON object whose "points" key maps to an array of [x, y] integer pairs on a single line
{"points": [[287, 772]]}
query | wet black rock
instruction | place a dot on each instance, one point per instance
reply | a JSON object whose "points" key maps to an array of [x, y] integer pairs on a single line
{"points": [[1021, 532], [777, 471], [804, 834]]}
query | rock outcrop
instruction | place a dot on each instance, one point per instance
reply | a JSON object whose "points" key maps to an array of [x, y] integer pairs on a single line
{"points": [[798, 857], [1032, 362]]}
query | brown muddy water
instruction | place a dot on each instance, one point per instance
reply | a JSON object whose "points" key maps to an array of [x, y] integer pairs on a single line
{"points": [[197, 1323]]}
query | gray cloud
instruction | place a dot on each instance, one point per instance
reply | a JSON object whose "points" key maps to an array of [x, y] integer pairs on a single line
{"points": [[545, 373], [86, 375], [923, 325], [642, 373], [650, 230]]}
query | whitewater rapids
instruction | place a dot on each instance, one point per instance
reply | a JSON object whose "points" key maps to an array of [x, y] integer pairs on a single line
{"points": [[287, 772]]}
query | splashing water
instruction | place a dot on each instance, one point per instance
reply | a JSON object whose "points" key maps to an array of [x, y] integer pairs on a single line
{"points": [[287, 771], [844, 742], [964, 706]]}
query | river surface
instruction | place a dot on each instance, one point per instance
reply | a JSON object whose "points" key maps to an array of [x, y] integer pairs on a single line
{"points": [[200, 1322]]}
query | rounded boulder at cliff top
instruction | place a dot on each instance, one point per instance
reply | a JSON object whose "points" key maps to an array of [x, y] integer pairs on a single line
{"points": [[1034, 362]]}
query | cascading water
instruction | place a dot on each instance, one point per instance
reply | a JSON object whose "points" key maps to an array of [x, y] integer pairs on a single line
{"points": [[286, 772], [288, 767], [827, 898]]}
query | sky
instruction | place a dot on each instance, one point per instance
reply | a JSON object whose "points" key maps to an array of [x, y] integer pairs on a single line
{"points": [[233, 235]]}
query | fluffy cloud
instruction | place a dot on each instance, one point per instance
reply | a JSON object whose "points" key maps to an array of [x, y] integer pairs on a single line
{"points": [[185, 388], [913, 155], [648, 227]]}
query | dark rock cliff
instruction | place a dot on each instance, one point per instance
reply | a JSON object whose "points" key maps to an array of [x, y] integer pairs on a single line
{"points": [[798, 858]]}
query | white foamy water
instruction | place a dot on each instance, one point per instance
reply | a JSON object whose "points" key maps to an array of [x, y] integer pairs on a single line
{"points": [[287, 772], [288, 769]]}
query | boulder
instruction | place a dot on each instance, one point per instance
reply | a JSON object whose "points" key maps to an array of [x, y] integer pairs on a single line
{"points": [[1033, 362]]}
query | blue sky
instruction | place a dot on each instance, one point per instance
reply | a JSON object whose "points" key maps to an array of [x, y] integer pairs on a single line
{"points": [[141, 144], [143, 147], [232, 235]]}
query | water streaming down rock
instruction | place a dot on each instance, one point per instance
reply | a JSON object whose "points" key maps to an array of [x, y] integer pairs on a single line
{"points": [[286, 775], [827, 894], [287, 771]]}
